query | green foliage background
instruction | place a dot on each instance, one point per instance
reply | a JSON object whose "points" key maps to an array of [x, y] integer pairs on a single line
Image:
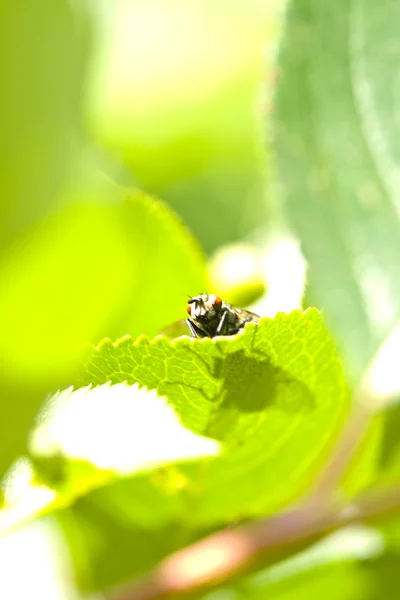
{"points": [[135, 143]]}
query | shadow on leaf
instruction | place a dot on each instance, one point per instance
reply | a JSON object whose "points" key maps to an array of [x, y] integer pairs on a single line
{"points": [[252, 385]]}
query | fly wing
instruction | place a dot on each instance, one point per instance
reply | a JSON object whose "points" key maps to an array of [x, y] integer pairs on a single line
{"points": [[255, 318], [175, 330], [246, 316]]}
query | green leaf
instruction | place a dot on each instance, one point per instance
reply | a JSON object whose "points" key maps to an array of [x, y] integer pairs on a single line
{"points": [[274, 396], [105, 530], [50, 304], [336, 136], [90, 270]]}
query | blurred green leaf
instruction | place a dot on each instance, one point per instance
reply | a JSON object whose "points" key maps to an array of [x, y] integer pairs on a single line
{"points": [[60, 287], [91, 270], [336, 136], [168, 266], [107, 547], [50, 304]]}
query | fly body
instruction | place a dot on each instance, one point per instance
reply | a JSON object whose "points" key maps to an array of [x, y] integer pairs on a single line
{"points": [[210, 316]]}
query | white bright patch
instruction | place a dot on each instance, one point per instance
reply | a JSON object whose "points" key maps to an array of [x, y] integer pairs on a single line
{"points": [[382, 380], [118, 427], [377, 296], [22, 496], [285, 271], [35, 563]]}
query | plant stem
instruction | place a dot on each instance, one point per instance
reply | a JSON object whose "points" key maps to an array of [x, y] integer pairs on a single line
{"points": [[223, 555]]}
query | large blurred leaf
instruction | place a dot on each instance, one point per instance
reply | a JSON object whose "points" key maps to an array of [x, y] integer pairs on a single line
{"points": [[90, 270], [336, 133], [60, 286], [107, 547]]}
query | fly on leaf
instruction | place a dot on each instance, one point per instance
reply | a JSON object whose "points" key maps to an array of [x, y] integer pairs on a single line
{"points": [[210, 316]]}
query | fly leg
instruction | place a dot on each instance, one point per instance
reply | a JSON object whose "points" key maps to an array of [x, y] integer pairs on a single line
{"points": [[194, 330], [221, 323]]}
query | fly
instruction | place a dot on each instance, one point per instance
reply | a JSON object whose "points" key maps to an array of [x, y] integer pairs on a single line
{"points": [[209, 316]]}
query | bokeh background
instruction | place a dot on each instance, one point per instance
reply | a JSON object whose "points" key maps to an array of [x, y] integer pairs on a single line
{"points": [[99, 98], [148, 151]]}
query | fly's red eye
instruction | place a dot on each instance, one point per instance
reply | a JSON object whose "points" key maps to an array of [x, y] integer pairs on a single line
{"points": [[189, 309], [217, 304]]}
